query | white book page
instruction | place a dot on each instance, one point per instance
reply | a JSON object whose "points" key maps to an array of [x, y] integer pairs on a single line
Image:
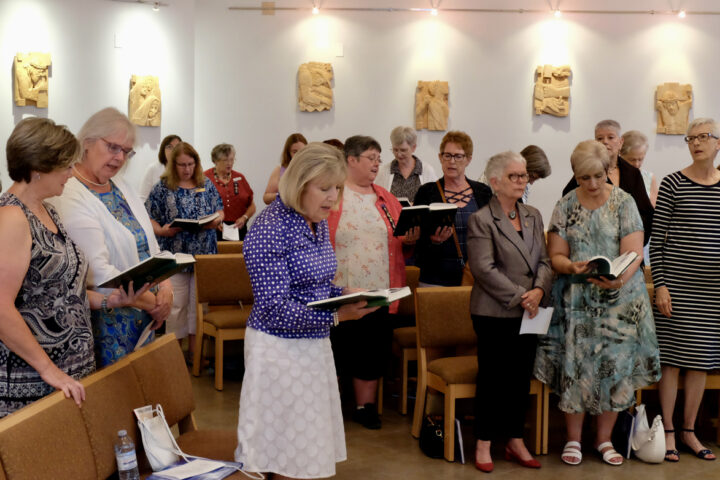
{"points": [[230, 232], [537, 325]]}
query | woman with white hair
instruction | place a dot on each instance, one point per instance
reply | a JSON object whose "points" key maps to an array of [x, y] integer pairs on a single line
{"points": [[633, 150], [685, 256], [403, 176], [601, 345], [508, 259], [108, 221]]}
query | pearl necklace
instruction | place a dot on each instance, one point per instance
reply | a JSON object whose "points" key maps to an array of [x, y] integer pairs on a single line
{"points": [[88, 181]]}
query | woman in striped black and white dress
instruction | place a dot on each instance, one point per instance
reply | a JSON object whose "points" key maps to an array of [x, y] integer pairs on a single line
{"points": [[685, 258]]}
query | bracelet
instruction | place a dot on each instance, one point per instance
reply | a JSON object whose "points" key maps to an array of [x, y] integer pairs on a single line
{"points": [[336, 319], [246, 217], [104, 306]]}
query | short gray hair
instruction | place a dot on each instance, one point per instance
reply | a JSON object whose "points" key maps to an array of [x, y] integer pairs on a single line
{"points": [[400, 135], [315, 161], [705, 121], [589, 157], [632, 140], [108, 121], [609, 124], [499, 162]]}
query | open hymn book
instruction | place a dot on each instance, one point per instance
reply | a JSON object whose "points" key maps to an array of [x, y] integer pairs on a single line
{"points": [[427, 217], [610, 269], [151, 270], [374, 298], [194, 224]]}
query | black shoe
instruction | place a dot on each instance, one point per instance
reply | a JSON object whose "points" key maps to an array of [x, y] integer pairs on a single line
{"points": [[367, 416]]}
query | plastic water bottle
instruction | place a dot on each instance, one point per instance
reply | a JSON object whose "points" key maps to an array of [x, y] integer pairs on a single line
{"points": [[126, 458]]}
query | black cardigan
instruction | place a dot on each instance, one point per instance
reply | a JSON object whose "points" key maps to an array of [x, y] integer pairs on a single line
{"points": [[439, 263], [631, 181]]}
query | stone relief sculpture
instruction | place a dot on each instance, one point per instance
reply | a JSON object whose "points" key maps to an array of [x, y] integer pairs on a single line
{"points": [[673, 103], [431, 105], [144, 106], [314, 86], [31, 79], [552, 90]]}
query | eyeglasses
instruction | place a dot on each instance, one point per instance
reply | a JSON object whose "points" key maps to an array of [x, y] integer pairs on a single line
{"points": [[114, 148], [373, 158], [447, 156], [514, 177], [225, 160], [703, 137]]}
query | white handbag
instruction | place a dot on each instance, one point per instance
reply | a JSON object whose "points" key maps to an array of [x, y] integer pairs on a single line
{"points": [[158, 441], [648, 441]]}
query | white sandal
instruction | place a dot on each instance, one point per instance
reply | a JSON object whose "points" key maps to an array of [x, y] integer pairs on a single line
{"points": [[609, 454], [572, 450]]}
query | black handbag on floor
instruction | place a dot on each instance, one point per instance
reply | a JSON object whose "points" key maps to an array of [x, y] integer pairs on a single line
{"points": [[431, 436]]}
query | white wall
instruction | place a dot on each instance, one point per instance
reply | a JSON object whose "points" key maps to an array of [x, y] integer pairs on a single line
{"points": [[246, 65], [89, 73], [230, 76]]}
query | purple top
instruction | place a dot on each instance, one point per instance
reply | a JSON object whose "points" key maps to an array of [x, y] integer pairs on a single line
{"points": [[289, 266]]}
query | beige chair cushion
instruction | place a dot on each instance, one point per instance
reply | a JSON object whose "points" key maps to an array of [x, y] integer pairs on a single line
{"points": [[455, 369], [232, 318], [214, 444], [406, 337]]}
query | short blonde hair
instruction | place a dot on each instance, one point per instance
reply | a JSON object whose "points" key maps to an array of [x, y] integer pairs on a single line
{"points": [[316, 161], [171, 177], [400, 135], [589, 157], [108, 121], [499, 162], [632, 140]]}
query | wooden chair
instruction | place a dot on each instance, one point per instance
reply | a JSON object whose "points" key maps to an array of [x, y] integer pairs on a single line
{"points": [[443, 323], [225, 246], [221, 282], [404, 343]]}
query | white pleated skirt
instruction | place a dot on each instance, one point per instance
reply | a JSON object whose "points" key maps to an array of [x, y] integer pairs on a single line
{"points": [[290, 420]]}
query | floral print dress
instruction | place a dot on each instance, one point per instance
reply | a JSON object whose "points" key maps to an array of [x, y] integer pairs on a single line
{"points": [[601, 345]]}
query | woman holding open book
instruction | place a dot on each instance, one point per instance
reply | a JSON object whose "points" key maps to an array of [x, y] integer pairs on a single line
{"points": [[601, 344], [184, 192], [441, 255], [290, 422], [508, 259], [107, 220]]}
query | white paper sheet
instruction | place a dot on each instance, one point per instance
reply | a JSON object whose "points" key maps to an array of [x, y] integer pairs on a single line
{"points": [[190, 469], [230, 232], [539, 324]]}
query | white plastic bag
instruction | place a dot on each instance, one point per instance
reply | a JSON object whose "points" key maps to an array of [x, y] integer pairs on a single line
{"points": [[648, 441]]}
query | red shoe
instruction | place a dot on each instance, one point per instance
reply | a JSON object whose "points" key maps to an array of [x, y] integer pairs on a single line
{"points": [[484, 467], [510, 455]]}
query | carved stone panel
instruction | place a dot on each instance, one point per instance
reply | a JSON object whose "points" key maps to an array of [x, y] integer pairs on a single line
{"points": [[431, 105], [315, 86], [673, 103], [31, 79], [144, 105], [552, 90]]}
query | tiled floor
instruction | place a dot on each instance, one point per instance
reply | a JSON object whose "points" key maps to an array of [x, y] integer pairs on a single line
{"points": [[391, 453]]}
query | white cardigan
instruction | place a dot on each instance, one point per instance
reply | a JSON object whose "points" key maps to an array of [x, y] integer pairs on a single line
{"points": [[385, 179], [107, 244]]}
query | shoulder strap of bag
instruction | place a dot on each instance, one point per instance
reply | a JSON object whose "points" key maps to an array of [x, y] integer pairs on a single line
{"points": [[455, 237]]}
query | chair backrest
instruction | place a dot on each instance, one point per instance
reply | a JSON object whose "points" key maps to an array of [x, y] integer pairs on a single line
{"points": [[46, 439], [229, 247], [164, 378], [222, 279], [407, 304], [443, 318], [111, 396]]}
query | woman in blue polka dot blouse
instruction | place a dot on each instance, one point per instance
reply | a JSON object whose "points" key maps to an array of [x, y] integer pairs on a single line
{"points": [[290, 423]]}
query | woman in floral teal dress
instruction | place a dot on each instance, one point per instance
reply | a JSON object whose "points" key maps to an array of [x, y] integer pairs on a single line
{"points": [[184, 192], [601, 345]]}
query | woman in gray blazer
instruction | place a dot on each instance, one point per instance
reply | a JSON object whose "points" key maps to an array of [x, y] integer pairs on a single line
{"points": [[507, 256]]}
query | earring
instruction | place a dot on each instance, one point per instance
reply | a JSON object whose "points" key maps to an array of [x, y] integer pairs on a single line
{"points": [[37, 176]]}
